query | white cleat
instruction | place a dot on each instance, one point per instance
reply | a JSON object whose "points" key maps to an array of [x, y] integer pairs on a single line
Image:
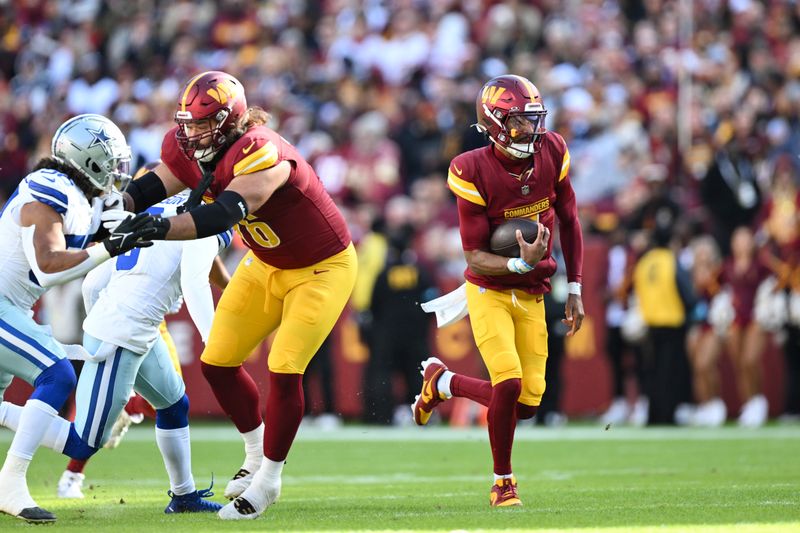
{"points": [[253, 502], [754, 412], [70, 485], [16, 500], [238, 484]]}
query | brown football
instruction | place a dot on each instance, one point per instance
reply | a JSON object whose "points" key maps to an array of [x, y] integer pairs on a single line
{"points": [[504, 241]]}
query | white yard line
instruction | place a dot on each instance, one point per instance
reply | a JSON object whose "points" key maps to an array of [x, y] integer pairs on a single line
{"points": [[224, 433]]}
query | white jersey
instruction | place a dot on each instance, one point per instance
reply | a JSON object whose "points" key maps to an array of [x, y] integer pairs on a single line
{"points": [[81, 220], [127, 298]]}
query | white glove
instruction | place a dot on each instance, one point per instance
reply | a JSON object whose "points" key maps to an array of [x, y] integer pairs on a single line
{"points": [[113, 201], [113, 218]]}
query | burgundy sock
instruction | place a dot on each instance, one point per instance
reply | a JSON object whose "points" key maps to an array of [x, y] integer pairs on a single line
{"points": [[285, 405], [236, 393], [477, 390], [525, 412], [502, 422], [77, 465]]}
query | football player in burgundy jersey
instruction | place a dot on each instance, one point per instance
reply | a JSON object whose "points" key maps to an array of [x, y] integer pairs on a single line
{"points": [[524, 172], [298, 274]]}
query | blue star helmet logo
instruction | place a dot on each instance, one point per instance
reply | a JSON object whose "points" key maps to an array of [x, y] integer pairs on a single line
{"points": [[100, 137]]}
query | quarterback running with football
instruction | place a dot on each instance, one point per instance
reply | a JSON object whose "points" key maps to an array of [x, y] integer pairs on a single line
{"points": [[45, 228], [298, 274], [523, 172]]}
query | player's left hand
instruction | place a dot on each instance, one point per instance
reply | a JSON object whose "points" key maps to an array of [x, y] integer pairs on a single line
{"points": [[113, 201], [114, 217], [574, 313]]}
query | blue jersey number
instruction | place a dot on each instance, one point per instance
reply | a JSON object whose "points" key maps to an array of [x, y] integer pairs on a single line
{"points": [[128, 260]]}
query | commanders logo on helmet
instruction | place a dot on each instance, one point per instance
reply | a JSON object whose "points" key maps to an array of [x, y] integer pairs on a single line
{"points": [[212, 102], [510, 111]]}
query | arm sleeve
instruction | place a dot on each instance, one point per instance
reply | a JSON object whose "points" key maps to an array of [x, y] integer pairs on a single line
{"points": [[196, 263], [570, 228], [473, 225]]}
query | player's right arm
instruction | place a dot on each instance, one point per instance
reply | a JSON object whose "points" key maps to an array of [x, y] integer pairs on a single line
{"points": [[46, 250], [474, 226]]}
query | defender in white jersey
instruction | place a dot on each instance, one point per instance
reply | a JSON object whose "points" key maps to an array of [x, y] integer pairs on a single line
{"points": [[126, 301], [45, 228]]}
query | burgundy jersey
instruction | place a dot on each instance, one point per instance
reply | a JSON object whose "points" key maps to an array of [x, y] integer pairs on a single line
{"points": [[744, 286], [298, 226], [492, 188]]}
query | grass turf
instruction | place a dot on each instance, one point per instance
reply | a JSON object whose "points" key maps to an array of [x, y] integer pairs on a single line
{"points": [[436, 479]]}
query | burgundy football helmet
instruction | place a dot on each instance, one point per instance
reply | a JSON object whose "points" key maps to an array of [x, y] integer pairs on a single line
{"points": [[511, 112], [212, 102]]}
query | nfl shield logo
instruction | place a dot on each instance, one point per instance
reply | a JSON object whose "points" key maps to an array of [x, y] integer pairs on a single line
{"points": [[526, 190]]}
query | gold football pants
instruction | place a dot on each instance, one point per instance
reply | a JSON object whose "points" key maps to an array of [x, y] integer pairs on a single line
{"points": [[511, 333], [304, 302]]}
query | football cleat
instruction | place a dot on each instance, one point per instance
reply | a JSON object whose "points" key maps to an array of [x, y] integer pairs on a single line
{"points": [[238, 484], [70, 485], [253, 501], [192, 502], [15, 500], [504, 493], [429, 397]]}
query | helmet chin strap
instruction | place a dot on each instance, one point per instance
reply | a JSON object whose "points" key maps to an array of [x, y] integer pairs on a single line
{"points": [[514, 150]]}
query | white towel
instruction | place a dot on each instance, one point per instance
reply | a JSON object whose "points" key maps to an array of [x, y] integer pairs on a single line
{"points": [[449, 308]]}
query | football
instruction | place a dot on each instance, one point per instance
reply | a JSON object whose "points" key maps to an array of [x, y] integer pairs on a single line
{"points": [[504, 241]]}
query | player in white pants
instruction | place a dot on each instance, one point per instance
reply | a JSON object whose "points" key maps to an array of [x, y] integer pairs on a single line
{"points": [[126, 301], [45, 228]]}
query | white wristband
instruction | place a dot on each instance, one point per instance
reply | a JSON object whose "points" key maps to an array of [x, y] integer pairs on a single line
{"points": [[573, 287], [517, 265], [98, 253]]}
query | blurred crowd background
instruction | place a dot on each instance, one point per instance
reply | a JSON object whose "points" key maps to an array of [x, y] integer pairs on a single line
{"points": [[681, 118]]}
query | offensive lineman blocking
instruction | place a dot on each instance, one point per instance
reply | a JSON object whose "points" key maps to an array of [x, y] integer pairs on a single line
{"points": [[299, 272]]}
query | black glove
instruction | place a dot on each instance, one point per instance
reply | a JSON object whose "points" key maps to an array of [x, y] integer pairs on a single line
{"points": [[161, 227], [130, 234]]}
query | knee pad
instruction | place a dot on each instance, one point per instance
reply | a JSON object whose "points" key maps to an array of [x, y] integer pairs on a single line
{"points": [[55, 383], [76, 448], [175, 416], [525, 412]]}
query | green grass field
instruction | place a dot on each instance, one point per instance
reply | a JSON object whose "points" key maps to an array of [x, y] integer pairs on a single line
{"points": [[358, 478]]}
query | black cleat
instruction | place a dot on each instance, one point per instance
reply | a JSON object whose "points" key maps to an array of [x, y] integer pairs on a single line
{"points": [[36, 515]]}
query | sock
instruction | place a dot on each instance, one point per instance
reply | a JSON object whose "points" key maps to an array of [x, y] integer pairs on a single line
{"points": [[9, 415], [236, 393], [54, 438], [477, 390], [502, 422], [285, 405], [76, 466], [504, 476], [176, 451], [443, 384], [253, 448], [265, 479], [34, 421]]}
